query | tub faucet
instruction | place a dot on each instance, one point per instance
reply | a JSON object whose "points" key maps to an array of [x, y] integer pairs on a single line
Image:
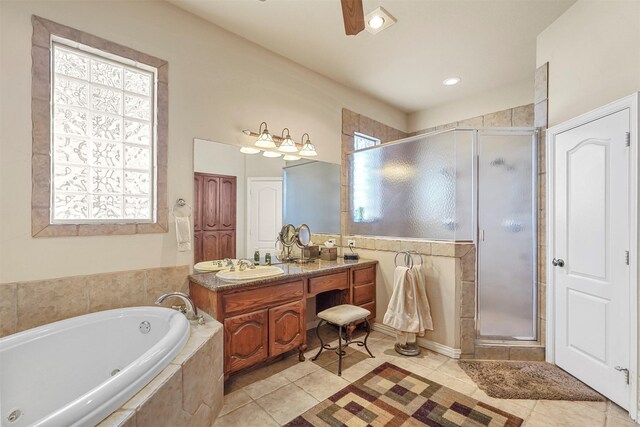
{"points": [[190, 309]]}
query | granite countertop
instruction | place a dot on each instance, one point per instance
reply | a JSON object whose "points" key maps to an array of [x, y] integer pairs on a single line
{"points": [[291, 271]]}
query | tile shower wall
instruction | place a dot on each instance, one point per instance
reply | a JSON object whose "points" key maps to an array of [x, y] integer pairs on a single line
{"points": [[25, 305]]}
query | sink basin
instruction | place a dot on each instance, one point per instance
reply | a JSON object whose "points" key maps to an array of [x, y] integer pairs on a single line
{"points": [[206, 266], [260, 272]]}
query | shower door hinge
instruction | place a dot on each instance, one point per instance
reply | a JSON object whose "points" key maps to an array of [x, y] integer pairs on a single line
{"points": [[626, 257], [628, 139]]}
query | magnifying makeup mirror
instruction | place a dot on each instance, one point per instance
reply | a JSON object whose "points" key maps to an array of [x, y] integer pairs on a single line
{"points": [[303, 235]]}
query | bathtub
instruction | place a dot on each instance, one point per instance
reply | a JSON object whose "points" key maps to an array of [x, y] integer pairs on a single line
{"points": [[76, 372]]}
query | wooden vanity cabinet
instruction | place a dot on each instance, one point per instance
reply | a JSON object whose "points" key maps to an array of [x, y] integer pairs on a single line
{"points": [[363, 288], [286, 327], [261, 323], [246, 340]]}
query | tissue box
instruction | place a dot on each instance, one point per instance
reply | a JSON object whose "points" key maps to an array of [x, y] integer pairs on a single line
{"points": [[311, 251], [329, 254]]}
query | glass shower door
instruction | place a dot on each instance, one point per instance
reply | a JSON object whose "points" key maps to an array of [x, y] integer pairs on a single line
{"points": [[507, 306]]}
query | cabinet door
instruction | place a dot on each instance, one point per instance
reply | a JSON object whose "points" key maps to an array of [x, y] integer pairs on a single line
{"points": [[227, 208], [286, 327], [197, 202], [245, 340], [227, 241], [197, 247], [210, 245], [210, 203]]}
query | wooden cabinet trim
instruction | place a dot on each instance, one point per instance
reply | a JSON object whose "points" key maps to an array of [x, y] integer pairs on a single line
{"points": [[241, 348], [364, 275], [286, 327], [363, 294], [261, 297], [335, 281]]}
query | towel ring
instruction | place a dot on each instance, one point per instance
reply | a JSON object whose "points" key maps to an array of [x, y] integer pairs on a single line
{"points": [[408, 258], [181, 203]]}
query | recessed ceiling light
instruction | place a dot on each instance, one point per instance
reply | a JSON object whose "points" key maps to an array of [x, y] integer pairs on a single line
{"points": [[378, 20], [451, 81]]}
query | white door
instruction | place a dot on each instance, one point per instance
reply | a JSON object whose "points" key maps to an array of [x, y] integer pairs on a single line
{"points": [[264, 213], [591, 241]]}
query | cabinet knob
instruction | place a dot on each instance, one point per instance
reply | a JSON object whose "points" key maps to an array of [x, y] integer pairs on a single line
{"points": [[558, 262]]}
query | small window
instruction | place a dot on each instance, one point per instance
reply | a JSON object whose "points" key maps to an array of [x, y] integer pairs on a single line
{"points": [[366, 192], [103, 137], [361, 141]]}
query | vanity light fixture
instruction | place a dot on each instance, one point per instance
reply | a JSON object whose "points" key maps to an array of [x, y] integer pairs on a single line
{"points": [[283, 143], [308, 149], [451, 81], [249, 150], [378, 20], [287, 145], [264, 140], [290, 157], [271, 154]]}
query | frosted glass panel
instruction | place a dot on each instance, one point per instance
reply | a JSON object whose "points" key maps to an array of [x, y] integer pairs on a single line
{"points": [[506, 220], [419, 188]]}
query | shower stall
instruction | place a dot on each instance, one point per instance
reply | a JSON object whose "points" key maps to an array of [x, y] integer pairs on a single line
{"points": [[461, 185]]}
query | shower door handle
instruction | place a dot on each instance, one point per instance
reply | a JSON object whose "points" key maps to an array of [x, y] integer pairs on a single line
{"points": [[557, 262]]}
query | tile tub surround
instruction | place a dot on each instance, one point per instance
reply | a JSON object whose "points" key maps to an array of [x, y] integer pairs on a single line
{"points": [[25, 305], [188, 392]]}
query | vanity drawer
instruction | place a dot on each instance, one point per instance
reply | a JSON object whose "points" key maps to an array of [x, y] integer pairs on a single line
{"points": [[329, 282], [363, 275], [261, 297], [364, 293], [371, 306]]}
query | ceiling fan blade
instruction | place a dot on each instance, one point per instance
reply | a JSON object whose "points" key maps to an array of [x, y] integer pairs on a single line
{"points": [[353, 15]]}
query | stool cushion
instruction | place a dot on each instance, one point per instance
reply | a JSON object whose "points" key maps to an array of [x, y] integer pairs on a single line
{"points": [[344, 314]]}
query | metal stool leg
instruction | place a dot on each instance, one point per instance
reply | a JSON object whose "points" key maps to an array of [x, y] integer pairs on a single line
{"points": [[339, 350], [320, 338], [367, 336]]}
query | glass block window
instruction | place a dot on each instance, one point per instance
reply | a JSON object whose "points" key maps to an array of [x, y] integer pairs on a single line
{"points": [[103, 137], [366, 198]]}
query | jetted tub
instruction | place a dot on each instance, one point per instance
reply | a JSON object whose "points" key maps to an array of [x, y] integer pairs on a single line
{"points": [[76, 372]]}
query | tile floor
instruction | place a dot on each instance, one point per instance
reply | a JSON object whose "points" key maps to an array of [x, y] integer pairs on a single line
{"points": [[277, 393]]}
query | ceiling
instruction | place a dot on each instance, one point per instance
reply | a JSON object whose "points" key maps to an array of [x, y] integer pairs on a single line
{"points": [[490, 44]]}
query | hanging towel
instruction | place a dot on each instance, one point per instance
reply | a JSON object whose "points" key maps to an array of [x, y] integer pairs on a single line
{"points": [[183, 233], [408, 310]]}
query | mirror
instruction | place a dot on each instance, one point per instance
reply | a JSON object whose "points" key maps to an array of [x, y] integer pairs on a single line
{"points": [[288, 235], [303, 235], [241, 201]]}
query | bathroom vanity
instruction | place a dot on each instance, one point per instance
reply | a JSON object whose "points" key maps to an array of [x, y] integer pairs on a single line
{"points": [[265, 318]]}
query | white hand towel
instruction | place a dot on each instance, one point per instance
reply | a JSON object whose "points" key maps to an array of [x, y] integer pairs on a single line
{"points": [[408, 310], [183, 233]]}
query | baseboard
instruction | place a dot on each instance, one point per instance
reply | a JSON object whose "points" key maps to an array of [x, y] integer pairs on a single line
{"points": [[422, 342]]}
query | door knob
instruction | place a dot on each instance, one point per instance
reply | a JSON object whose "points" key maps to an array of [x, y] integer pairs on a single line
{"points": [[557, 262]]}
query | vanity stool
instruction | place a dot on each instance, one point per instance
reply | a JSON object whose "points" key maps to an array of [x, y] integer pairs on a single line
{"points": [[342, 316]]}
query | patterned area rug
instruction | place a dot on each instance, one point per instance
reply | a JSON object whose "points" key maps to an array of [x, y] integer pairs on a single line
{"points": [[392, 396], [527, 380]]}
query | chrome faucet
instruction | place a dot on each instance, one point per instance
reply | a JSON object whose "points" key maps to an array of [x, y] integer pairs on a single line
{"points": [[244, 263], [189, 309]]}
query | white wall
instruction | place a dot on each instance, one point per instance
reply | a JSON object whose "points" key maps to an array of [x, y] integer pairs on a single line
{"points": [[593, 51], [480, 104], [218, 85]]}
